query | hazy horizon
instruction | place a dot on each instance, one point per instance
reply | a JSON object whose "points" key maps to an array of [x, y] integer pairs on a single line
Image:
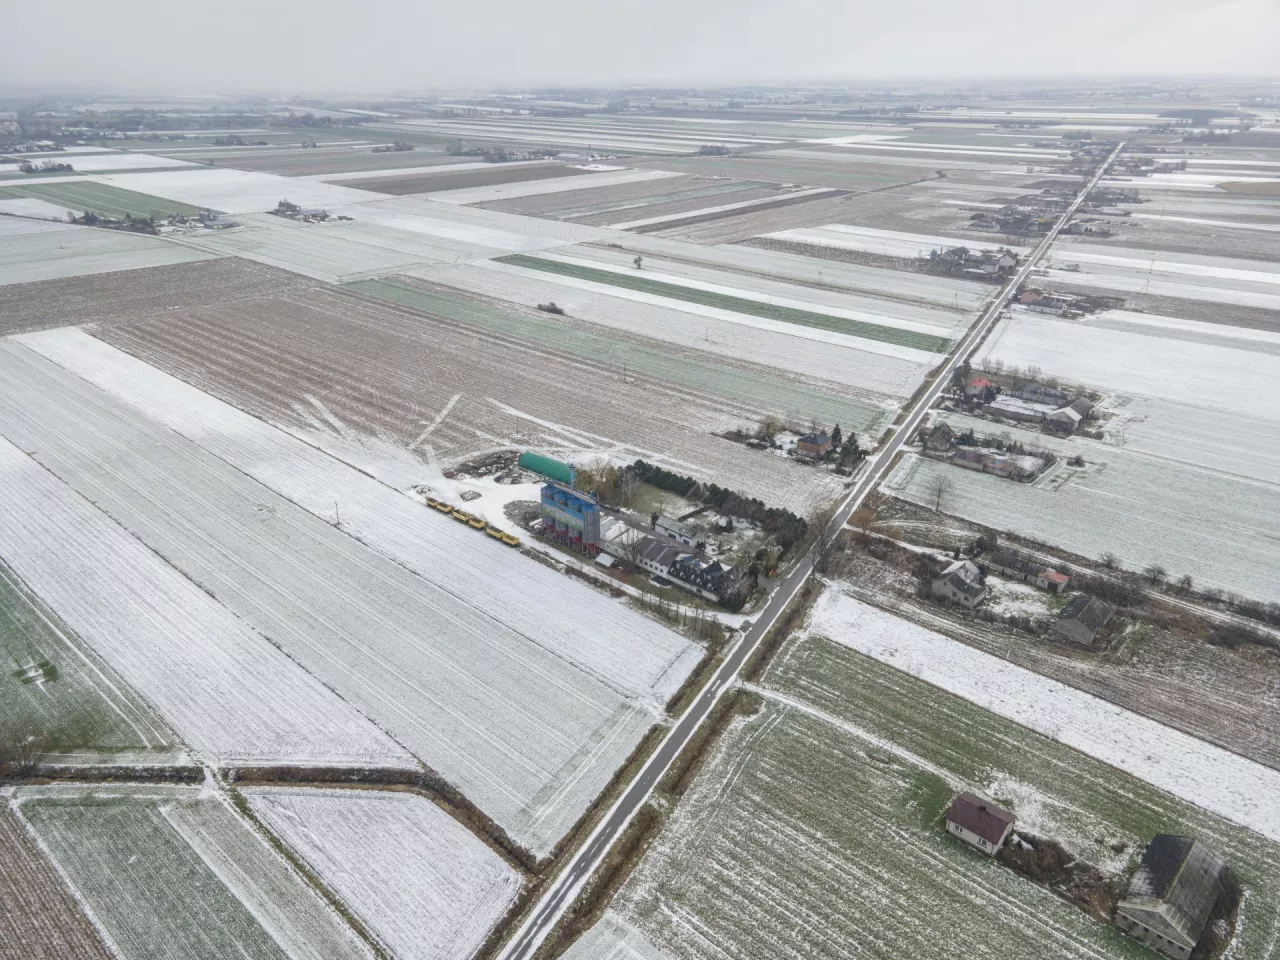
{"points": [[399, 47]]}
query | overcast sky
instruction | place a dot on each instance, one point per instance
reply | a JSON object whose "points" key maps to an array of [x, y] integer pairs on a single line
{"points": [[410, 45]]}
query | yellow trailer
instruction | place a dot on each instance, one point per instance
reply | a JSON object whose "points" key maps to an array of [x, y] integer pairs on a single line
{"points": [[461, 516], [495, 533], [443, 507], [511, 540], [479, 523]]}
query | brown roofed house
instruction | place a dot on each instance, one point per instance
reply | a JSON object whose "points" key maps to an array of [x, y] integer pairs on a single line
{"points": [[979, 823]]}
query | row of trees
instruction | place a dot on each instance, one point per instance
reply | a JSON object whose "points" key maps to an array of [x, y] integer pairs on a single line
{"points": [[785, 527]]}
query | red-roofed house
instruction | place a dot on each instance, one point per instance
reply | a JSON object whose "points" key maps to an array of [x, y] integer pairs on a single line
{"points": [[979, 823], [977, 386]]}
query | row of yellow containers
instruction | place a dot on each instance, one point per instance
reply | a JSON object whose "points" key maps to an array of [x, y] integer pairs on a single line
{"points": [[476, 523]]}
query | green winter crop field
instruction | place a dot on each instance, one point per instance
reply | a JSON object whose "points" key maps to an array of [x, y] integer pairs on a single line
{"points": [[722, 379], [814, 832], [52, 688], [755, 308], [100, 198]]}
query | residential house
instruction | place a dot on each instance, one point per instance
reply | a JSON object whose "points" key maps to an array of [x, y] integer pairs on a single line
{"points": [[961, 583], [1172, 895], [1052, 305], [1083, 406], [979, 823], [978, 386], [941, 439], [710, 579], [815, 446], [1081, 619], [1015, 567]]}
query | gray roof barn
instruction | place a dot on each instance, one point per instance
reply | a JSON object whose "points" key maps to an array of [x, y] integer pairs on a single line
{"points": [[1081, 619], [1172, 894]]}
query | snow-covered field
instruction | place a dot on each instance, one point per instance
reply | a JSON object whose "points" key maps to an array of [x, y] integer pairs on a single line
{"points": [[173, 873], [750, 281], [422, 883], [32, 207], [1222, 530], [530, 188], [523, 688], [442, 168], [1251, 283], [333, 252], [741, 205], [39, 250], [235, 191], [1215, 365], [876, 282], [471, 230], [230, 695], [1223, 783], [888, 243], [612, 938], [121, 161], [852, 362]]}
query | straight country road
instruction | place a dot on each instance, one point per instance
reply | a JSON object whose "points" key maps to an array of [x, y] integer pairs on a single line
{"points": [[560, 895]]}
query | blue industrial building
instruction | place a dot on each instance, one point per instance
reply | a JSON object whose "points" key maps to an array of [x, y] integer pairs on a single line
{"points": [[572, 518]]}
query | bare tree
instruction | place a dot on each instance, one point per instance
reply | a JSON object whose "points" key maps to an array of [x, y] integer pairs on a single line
{"points": [[627, 484], [1110, 560], [21, 751], [939, 489], [1156, 573], [1185, 584]]}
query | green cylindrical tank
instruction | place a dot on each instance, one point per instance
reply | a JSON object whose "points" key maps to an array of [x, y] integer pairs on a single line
{"points": [[551, 469]]}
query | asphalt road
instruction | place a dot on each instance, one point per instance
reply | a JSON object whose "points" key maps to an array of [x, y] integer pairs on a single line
{"points": [[560, 895]]}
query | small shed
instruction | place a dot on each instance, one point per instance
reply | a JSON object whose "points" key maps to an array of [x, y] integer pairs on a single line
{"points": [[1172, 895], [1081, 619], [979, 823]]}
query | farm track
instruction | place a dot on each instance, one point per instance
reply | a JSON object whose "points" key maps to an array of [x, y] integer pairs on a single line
{"points": [[40, 918]]}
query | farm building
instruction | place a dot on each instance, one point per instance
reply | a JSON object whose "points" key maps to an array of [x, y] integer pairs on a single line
{"points": [[1081, 619], [1038, 575], [814, 445], [1171, 895], [1021, 468], [1064, 420], [1015, 408], [674, 530], [979, 823], [1039, 393], [961, 583], [570, 517], [656, 557]]}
